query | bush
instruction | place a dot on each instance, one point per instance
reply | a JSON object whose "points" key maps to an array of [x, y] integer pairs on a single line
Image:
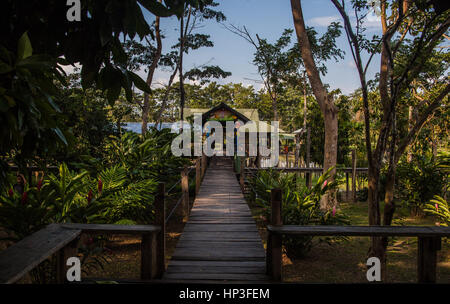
{"points": [[418, 181], [439, 207], [362, 195], [300, 206]]}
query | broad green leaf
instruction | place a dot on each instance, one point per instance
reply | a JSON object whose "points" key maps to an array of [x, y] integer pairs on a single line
{"points": [[113, 93], [156, 8], [24, 48], [60, 135], [139, 82], [5, 68]]}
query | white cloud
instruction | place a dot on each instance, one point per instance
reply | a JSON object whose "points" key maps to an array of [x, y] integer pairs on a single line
{"points": [[323, 20], [372, 21]]}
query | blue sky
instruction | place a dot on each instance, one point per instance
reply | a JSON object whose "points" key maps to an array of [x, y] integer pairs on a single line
{"points": [[268, 18]]}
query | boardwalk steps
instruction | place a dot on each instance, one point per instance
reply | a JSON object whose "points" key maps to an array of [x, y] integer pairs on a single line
{"points": [[220, 242]]}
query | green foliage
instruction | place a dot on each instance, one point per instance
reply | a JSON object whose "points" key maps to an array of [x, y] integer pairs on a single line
{"points": [[71, 197], [22, 214], [147, 156], [439, 207], [418, 181], [28, 112], [37, 39], [300, 206], [85, 113]]}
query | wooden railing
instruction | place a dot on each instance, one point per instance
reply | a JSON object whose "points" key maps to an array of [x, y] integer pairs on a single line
{"points": [[200, 169], [62, 239], [428, 245], [354, 172]]}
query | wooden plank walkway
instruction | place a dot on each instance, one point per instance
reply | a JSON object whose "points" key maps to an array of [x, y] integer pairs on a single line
{"points": [[220, 241]]}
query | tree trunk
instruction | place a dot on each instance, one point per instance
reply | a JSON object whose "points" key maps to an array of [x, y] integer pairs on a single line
{"points": [[305, 104], [354, 176], [297, 150], [275, 108], [183, 33], [410, 125], [151, 71], [326, 103], [165, 97], [180, 69]]}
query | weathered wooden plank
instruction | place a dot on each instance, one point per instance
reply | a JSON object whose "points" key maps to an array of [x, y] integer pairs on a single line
{"points": [[219, 244], [215, 269], [217, 263], [220, 241], [219, 227], [23, 256], [221, 235], [114, 229], [425, 231], [224, 221], [212, 276], [222, 254]]}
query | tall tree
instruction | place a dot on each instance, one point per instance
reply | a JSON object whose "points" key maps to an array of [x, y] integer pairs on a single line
{"points": [[150, 73], [411, 31], [37, 39], [325, 101], [189, 40], [274, 63]]}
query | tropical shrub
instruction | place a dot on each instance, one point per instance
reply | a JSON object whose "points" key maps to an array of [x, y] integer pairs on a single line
{"points": [[439, 207], [76, 197], [300, 206], [146, 156], [418, 181]]}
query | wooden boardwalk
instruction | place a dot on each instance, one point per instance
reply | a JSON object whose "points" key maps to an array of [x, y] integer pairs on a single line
{"points": [[220, 242]]}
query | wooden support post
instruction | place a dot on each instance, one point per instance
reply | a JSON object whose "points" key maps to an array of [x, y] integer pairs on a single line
{"points": [[160, 220], [308, 157], [70, 250], [258, 160], [198, 177], [242, 173], [149, 265], [354, 175], [185, 192], [346, 186], [426, 259], [204, 164], [274, 241]]}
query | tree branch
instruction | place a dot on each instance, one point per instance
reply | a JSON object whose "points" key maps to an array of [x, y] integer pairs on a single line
{"points": [[421, 121]]}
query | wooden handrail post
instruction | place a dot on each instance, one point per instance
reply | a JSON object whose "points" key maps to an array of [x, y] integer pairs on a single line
{"points": [[148, 256], [204, 164], [346, 186], [70, 250], [198, 177], [354, 175], [242, 173], [274, 241], [185, 192], [426, 259], [160, 220], [308, 157]]}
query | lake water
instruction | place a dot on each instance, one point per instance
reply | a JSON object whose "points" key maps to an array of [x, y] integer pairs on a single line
{"points": [[136, 126]]}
